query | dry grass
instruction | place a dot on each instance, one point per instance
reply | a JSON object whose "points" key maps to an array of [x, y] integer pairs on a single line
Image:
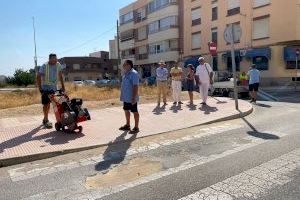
{"points": [[87, 93]]}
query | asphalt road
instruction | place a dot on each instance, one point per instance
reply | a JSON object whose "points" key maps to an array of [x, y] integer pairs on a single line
{"points": [[257, 157]]}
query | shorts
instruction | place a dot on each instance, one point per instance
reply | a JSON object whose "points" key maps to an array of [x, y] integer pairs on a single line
{"points": [[190, 85], [45, 97], [254, 87], [130, 107]]}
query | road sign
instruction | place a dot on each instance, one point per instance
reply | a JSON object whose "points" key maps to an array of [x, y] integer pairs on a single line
{"points": [[233, 32], [212, 48]]}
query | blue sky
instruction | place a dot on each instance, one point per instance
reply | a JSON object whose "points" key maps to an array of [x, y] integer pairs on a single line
{"points": [[61, 27]]}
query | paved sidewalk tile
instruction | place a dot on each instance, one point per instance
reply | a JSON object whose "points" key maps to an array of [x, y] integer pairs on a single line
{"points": [[25, 136]]}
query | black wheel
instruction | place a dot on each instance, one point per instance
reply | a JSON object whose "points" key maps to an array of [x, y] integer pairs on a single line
{"points": [[80, 129], [58, 127]]}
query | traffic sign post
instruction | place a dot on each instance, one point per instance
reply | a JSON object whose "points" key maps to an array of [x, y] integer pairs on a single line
{"points": [[297, 58], [233, 34]]}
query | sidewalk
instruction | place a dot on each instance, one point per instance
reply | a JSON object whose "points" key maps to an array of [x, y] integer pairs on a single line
{"points": [[22, 139]]}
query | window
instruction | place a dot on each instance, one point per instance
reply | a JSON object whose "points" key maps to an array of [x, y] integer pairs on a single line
{"points": [[76, 66], [142, 53], [128, 53], [214, 11], [153, 27], [163, 24], [164, 46], [261, 28], [127, 35], [140, 15], [259, 3], [214, 35], [142, 33], [196, 40], [126, 18], [292, 64], [233, 7], [196, 16], [158, 4], [261, 62]]}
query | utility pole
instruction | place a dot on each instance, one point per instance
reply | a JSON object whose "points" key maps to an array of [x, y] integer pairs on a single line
{"points": [[35, 54], [34, 40], [118, 46]]}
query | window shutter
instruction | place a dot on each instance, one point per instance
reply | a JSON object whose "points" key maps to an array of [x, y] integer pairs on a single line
{"points": [[258, 3], [196, 14], [233, 4], [196, 40], [261, 28]]}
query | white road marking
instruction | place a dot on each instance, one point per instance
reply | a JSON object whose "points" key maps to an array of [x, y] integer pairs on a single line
{"points": [[193, 162], [253, 183], [18, 174]]}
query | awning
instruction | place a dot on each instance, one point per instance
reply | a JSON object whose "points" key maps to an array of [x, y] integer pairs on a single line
{"points": [[290, 53], [228, 54], [261, 52], [193, 61]]}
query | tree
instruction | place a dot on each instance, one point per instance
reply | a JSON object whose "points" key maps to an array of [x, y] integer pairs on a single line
{"points": [[22, 78]]}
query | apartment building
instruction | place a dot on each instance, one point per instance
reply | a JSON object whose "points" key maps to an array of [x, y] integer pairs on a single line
{"points": [[90, 68], [270, 35], [150, 31]]}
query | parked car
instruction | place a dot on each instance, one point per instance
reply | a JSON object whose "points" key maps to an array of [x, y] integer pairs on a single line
{"points": [[101, 83], [89, 82], [114, 82], [78, 82]]}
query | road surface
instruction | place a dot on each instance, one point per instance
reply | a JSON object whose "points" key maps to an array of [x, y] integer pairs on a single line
{"points": [[257, 157]]}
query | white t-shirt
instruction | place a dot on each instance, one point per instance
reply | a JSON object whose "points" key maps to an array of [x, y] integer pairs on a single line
{"points": [[203, 72]]}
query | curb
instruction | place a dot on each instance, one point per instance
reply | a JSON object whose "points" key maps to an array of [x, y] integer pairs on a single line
{"points": [[30, 158]]}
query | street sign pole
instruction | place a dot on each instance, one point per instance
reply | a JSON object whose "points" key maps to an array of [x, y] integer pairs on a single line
{"points": [[296, 77], [234, 68]]}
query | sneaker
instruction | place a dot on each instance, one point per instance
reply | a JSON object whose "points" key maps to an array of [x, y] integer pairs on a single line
{"points": [[165, 104], [47, 124], [134, 131], [180, 102], [203, 103], [125, 128], [174, 103], [252, 100]]}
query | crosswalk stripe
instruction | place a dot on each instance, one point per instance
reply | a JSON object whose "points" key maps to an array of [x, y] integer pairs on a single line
{"points": [[254, 182]]}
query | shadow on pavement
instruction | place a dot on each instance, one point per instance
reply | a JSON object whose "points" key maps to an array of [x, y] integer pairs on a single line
{"points": [[257, 134], [159, 110], [263, 105], [175, 108], [116, 152], [192, 107], [53, 138], [208, 109]]}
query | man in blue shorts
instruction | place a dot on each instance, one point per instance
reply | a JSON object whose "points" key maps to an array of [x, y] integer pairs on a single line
{"points": [[129, 96], [47, 78], [254, 79]]}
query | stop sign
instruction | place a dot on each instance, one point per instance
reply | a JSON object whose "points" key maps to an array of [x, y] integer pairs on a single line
{"points": [[213, 48], [298, 52]]}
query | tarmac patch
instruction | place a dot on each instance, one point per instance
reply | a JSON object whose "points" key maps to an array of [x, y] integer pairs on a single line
{"points": [[136, 168]]}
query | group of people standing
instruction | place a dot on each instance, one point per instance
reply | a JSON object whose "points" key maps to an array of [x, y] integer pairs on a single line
{"points": [[202, 76]]}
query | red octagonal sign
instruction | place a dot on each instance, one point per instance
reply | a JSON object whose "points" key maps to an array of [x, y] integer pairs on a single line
{"points": [[213, 48]]}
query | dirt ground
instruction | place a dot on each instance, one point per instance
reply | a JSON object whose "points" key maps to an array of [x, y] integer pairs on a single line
{"points": [[36, 109]]}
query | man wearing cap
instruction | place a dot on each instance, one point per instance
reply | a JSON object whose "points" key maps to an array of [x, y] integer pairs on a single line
{"points": [[204, 78], [254, 78], [176, 74], [162, 75]]}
